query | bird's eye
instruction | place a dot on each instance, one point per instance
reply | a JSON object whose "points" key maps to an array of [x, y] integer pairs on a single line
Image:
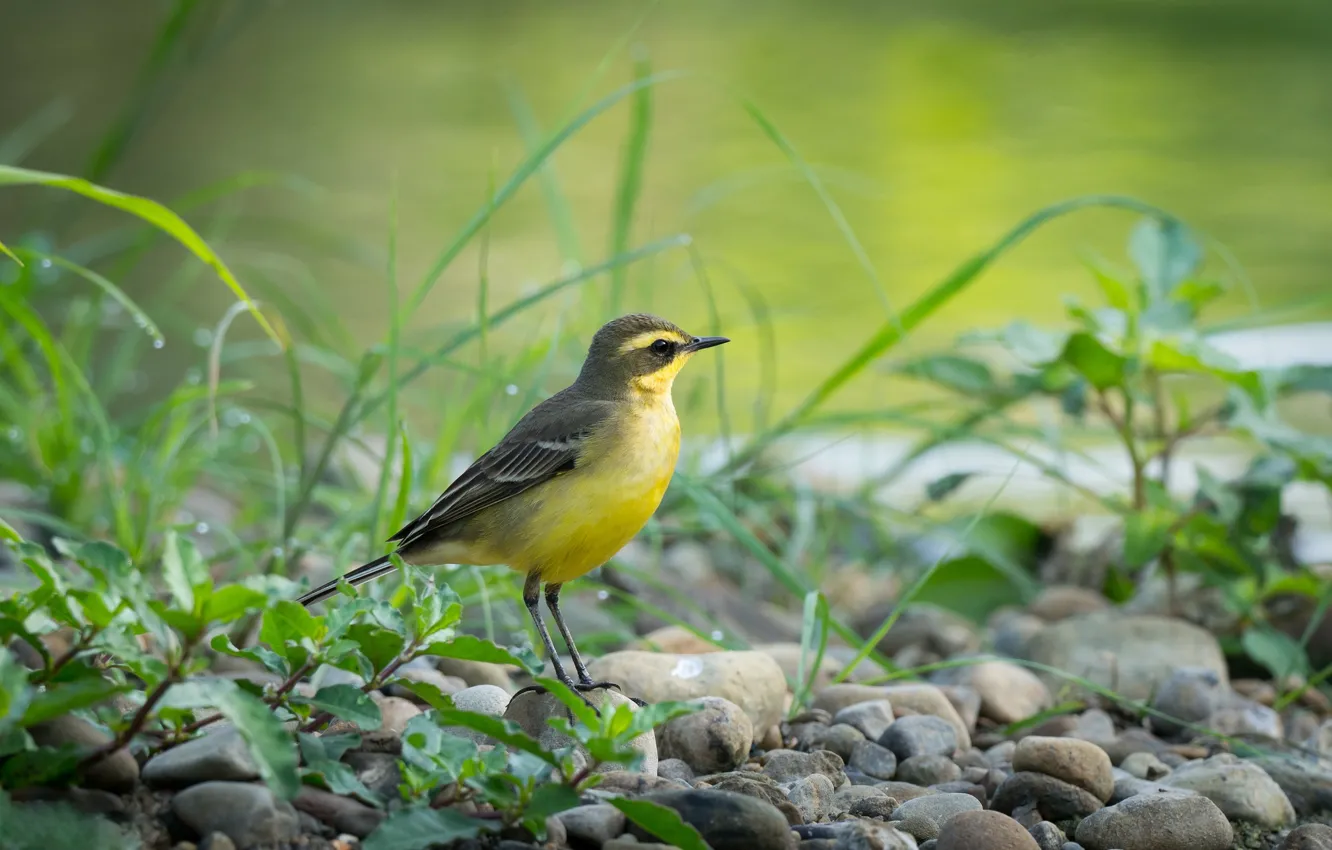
{"points": [[661, 346]]}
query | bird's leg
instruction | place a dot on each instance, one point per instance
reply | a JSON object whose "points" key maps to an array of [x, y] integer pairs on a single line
{"points": [[585, 682], [532, 599]]}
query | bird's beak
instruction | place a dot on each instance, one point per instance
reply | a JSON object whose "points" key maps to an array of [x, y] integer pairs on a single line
{"points": [[705, 342]]}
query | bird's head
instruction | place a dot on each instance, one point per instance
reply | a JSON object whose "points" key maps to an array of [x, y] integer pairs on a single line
{"points": [[639, 353]]}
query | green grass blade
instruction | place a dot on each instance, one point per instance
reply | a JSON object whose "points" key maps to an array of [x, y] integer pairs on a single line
{"points": [[557, 202], [892, 332], [141, 318], [631, 177], [151, 212], [525, 170]]}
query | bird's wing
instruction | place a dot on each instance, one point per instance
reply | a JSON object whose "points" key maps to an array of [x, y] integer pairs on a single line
{"points": [[545, 443]]}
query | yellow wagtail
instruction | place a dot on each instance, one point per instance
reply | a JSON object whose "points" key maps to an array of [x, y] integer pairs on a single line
{"points": [[570, 485]]}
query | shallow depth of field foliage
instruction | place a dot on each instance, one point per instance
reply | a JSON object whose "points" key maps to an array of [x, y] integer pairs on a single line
{"points": [[111, 543]]}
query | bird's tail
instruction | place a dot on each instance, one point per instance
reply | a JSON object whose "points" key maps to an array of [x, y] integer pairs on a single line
{"points": [[358, 576]]}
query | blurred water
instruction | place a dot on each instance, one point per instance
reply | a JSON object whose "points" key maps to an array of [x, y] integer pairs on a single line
{"points": [[936, 126]]}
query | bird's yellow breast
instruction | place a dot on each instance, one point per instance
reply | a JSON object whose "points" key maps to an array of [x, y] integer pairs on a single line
{"points": [[577, 521]]}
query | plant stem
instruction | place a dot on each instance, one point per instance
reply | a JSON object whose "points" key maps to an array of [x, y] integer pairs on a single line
{"points": [[408, 653], [68, 656]]}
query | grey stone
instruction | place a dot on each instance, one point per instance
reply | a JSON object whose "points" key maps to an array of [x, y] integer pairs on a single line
{"points": [[1144, 766], [928, 770], [1311, 836], [118, 772], [1124, 652], [848, 795], [834, 698], [377, 771], [1307, 784], [924, 817], [839, 738], [726, 821], [1048, 836], [1246, 718], [342, 813], [929, 699], [1242, 790], [812, 796], [1053, 798], [872, 718], [1158, 822], [475, 672], [789, 765], [594, 825], [879, 807], [248, 814], [1007, 693], [715, 738], [217, 841], [1188, 694], [920, 734], [221, 754], [873, 760], [675, 769], [751, 680], [872, 835]]}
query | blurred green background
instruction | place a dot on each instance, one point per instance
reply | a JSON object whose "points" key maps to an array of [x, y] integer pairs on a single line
{"points": [[935, 126]]}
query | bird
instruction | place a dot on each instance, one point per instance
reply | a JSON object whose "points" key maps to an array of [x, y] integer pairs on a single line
{"points": [[569, 485]]}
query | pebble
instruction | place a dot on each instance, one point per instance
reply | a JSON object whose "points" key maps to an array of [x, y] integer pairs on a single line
{"points": [[1157, 822], [1188, 694], [873, 760], [984, 831], [848, 795], [1144, 766], [929, 699], [633, 783], [248, 814], [1075, 761], [1311, 836], [1242, 790], [423, 671], [1246, 718], [920, 734], [924, 817], [839, 738], [872, 717], [531, 710], [726, 821], [751, 680], [834, 698], [812, 796], [395, 713], [1007, 692], [1061, 601], [217, 841], [903, 791], [674, 640], [1011, 631], [377, 771], [966, 702], [871, 835], [594, 825], [1048, 836], [928, 770], [1124, 653], [475, 673], [1053, 798], [479, 699], [1308, 785], [675, 769], [790, 765], [1001, 753], [221, 754], [714, 739], [760, 787], [787, 655], [118, 772], [879, 807], [342, 813]]}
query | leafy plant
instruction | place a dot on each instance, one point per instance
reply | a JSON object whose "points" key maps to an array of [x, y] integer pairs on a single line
{"points": [[1138, 364]]}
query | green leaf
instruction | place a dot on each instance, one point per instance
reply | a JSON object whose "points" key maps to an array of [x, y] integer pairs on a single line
{"points": [[103, 558], [182, 569], [665, 823], [1117, 293], [960, 374], [432, 749], [422, 828], [1146, 534], [971, 586], [350, 703], [1090, 358], [7, 532], [427, 691], [270, 745], [472, 648], [1165, 253], [340, 779], [548, 799], [378, 644], [1032, 345], [230, 602], [59, 700], [504, 731], [1281, 654], [577, 706], [940, 488], [288, 621], [15, 692], [272, 662]]}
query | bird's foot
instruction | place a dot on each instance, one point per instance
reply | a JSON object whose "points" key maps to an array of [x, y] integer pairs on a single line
{"points": [[589, 685]]}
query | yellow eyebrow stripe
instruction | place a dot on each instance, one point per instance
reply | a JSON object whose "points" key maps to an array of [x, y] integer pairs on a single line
{"points": [[645, 339]]}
